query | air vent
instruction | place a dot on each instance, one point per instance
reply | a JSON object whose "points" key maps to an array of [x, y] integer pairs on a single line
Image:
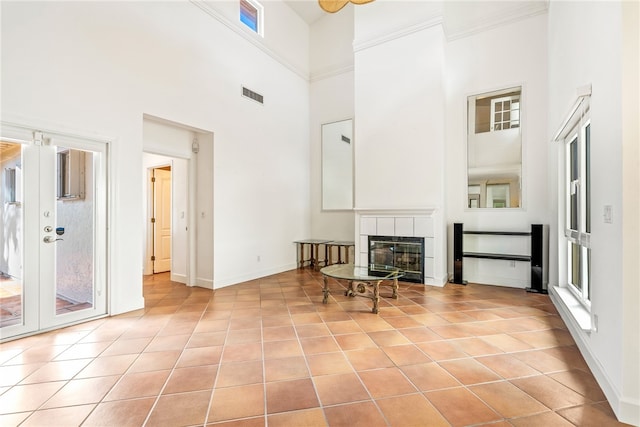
{"points": [[346, 139], [248, 93]]}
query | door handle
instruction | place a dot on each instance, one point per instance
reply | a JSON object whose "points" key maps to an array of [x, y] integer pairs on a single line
{"points": [[50, 239]]}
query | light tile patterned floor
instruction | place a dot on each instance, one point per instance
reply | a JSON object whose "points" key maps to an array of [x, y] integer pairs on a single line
{"points": [[268, 352]]}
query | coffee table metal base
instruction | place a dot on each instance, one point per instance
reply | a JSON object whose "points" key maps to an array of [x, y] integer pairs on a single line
{"points": [[360, 288]]}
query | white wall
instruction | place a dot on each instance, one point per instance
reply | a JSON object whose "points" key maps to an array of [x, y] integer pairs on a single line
{"points": [[331, 100], [100, 66], [586, 47], [472, 67], [399, 125]]}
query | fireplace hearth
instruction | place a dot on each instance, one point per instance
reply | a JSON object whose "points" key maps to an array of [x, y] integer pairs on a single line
{"points": [[404, 253]]}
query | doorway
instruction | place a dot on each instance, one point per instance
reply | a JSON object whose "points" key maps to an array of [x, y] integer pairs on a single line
{"points": [[52, 230], [189, 153]]}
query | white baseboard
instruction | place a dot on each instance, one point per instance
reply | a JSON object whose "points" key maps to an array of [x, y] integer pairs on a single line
{"points": [[435, 281], [204, 283], [180, 278], [228, 281]]}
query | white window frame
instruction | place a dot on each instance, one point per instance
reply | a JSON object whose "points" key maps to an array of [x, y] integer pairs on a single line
{"points": [[259, 11], [577, 236], [514, 112], [71, 174]]}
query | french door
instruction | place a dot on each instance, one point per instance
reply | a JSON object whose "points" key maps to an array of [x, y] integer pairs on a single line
{"points": [[52, 231]]}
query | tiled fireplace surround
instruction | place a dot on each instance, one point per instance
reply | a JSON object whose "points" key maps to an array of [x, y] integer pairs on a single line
{"points": [[420, 222]]}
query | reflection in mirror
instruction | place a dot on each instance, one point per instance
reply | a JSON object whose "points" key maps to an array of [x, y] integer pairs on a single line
{"points": [[337, 165], [494, 150]]}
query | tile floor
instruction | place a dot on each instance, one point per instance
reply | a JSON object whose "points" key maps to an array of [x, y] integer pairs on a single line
{"points": [[268, 352]]}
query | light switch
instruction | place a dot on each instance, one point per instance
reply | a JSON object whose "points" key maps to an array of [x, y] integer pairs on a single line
{"points": [[607, 214]]}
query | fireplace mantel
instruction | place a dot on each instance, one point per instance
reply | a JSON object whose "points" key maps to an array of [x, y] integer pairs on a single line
{"points": [[397, 211], [423, 222]]}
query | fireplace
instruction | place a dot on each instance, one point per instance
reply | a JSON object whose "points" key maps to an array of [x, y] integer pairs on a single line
{"points": [[404, 253]]}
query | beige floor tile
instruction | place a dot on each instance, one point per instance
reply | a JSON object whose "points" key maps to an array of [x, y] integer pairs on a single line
{"points": [[291, 395], [226, 404], [240, 373], [360, 414], [507, 400], [199, 356], [469, 371], [368, 358], [180, 409], [329, 363], [307, 418], [195, 378], [386, 382], [549, 392], [125, 413], [282, 349], [461, 407], [108, 365], [82, 391], [507, 366], [544, 419], [581, 382], [285, 369], [429, 376], [590, 416], [411, 410], [341, 388], [29, 397], [155, 361], [137, 385], [442, 350], [68, 416]]}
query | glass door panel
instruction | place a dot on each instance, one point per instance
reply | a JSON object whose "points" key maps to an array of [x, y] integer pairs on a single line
{"points": [[73, 232], [11, 238]]}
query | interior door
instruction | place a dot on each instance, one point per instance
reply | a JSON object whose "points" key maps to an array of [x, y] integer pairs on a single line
{"points": [[162, 219], [61, 245]]}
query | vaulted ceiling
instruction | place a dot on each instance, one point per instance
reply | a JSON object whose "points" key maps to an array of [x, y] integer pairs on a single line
{"points": [[459, 17]]}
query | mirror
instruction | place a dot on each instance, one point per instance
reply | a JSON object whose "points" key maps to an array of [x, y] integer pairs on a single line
{"points": [[494, 149], [337, 165]]}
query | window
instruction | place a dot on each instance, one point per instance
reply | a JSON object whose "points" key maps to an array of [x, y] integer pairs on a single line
{"points": [[10, 185], [251, 15], [71, 171], [497, 111], [505, 112], [498, 196], [577, 231]]}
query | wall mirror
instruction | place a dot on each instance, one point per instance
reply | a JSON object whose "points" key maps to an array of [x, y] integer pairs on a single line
{"points": [[337, 165], [494, 149]]}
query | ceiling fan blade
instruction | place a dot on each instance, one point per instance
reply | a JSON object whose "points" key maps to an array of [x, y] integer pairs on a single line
{"points": [[332, 6]]}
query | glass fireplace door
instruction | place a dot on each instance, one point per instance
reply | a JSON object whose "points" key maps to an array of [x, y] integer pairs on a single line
{"points": [[403, 253]]}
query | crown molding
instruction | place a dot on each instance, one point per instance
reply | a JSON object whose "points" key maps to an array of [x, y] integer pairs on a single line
{"points": [[329, 72], [251, 38], [396, 33], [526, 10]]}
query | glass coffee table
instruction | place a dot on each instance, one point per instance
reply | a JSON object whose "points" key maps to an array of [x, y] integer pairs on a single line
{"points": [[360, 282]]}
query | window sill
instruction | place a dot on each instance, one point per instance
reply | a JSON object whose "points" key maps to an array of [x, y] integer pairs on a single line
{"points": [[580, 314]]}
